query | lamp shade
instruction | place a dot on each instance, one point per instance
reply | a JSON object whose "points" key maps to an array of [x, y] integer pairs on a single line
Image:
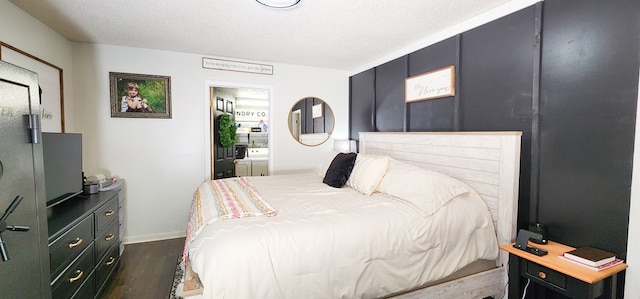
{"points": [[345, 146]]}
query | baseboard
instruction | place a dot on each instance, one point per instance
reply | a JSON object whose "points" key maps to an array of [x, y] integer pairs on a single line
{"points": [[154, 237]]}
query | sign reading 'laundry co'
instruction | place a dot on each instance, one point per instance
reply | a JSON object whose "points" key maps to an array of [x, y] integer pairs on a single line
{"points": [[251, 114]]}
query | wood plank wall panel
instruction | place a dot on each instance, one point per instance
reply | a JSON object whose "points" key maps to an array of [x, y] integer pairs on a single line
{"points": [[389, 89], [328, 117], [307, 116], [496, 85], [497, 74], [589, 85], [436, 114], [362, 87], [319, 123]]}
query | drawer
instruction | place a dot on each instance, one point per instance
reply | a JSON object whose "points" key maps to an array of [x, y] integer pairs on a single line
{"points": [[550, 276], [68, 246], [107, 238], [73, 277], [106, 213], [106, 266], [88, 289]]}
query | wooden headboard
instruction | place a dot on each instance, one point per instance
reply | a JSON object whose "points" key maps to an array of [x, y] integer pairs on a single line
{"points": [[489, 162]]}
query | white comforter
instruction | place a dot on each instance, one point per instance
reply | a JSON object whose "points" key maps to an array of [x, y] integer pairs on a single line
{"points": [[337, 243]]}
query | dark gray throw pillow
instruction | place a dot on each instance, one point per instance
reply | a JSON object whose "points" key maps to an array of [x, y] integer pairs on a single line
{"points": [[340, 169]]}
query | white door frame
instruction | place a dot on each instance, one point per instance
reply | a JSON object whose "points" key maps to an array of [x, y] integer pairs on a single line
{"points": [[295, 124], [207, 133]]}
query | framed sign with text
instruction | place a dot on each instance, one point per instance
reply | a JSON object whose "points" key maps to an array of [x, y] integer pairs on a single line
{"points": [[237, 66], [439, 83], [50, 83]]}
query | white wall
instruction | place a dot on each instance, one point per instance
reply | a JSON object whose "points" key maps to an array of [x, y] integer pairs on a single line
{"points": [[493, 14], [164, 160], [632, 290], [161, 183], [20, 30]]}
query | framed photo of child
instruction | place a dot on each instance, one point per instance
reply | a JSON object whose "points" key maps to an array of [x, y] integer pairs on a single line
{"points": [[140, 96]]}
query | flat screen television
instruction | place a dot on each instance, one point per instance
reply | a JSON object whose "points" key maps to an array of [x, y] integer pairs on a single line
{"points": [[62, 157]]}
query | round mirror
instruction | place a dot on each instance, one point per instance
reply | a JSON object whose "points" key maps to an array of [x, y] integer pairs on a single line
{"points": [[311, 121]]}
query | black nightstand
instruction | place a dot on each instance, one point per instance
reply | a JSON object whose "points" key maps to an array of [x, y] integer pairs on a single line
{"points": [[554, 272]]}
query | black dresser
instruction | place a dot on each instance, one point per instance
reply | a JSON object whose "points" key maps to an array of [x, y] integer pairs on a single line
{"points": [[84, 244]]}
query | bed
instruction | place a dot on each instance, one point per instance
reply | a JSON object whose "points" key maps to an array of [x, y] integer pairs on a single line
{"points": [[366, 240]]}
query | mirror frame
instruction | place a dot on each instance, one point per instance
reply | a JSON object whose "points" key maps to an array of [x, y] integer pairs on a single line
{"points": [[313, 112]]}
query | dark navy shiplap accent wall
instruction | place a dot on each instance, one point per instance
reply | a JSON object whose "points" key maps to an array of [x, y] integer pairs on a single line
{"points": [[589, 92], [565, 73], [438, 114]]}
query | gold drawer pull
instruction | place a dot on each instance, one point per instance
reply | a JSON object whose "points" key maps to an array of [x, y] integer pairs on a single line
{"points": [[80, 273], [109, 237], [542, 275], [76, 243], [111, 261], [109, 212]]}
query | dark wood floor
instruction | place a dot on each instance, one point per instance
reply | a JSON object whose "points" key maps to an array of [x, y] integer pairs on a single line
{"points": [[146, 270]]}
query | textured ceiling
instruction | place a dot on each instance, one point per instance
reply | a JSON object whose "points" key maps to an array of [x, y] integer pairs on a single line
{"points": [[340, 34]]}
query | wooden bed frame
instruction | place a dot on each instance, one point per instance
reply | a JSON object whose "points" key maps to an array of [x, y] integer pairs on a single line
{"points": [[487, 161]]}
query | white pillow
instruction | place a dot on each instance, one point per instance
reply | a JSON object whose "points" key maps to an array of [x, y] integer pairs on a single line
{"points": [[367, 173], [327, 163], [425, 189]]}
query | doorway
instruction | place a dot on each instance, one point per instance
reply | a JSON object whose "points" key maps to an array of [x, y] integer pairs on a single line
{"points": [[250, 106], [295, 124]]}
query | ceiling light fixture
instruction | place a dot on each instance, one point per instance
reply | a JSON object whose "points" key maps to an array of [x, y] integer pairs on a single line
{"points": [[279, 3]]}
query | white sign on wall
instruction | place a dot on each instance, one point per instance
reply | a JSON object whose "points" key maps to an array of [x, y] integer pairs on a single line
{"points": [[237, 66], [316, 110], [431, 85], [50, 82]]}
